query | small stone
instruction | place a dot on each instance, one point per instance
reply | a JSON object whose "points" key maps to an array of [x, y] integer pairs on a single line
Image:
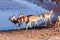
{"points": [[0, 34], [28, 36], [7, 38], [32, 31]]}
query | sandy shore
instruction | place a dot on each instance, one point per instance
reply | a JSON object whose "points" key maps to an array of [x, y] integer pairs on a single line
{"points": [[37, 34]]}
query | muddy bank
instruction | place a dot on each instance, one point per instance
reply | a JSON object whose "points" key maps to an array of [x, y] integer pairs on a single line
{"points": [[33, 34]]}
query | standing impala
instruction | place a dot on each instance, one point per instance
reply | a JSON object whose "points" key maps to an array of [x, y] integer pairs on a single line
{"points": [[20, 15], [22, 18], [28, 19], [58, 21], [47, 16], [34, 19], [13, 19]]}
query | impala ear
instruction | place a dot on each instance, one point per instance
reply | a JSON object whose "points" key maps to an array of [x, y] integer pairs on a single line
{"points": [[9, 17], [37, 12], [13, 15], [20, 13], [51, 10], [41, 15]]}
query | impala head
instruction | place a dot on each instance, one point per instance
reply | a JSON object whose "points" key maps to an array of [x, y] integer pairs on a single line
{"points": [[20, 15], [59, 18], [51, 11], [12, 18], [40, 16]]}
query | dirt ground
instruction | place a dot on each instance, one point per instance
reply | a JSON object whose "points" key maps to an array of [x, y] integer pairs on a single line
{"points": [[32, 34]]}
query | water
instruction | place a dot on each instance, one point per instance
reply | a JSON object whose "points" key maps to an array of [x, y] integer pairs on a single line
{"points": [[22, 6]]}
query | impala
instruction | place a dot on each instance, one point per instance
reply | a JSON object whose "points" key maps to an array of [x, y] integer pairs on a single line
{"points": [[58, 21], [47, 16], [13, 19], [34, 19], [20, 15], [29, 18], [23, 18]]}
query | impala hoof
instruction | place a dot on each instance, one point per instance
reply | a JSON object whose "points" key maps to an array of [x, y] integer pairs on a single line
{"points": [[19, 28], [14, 28]]}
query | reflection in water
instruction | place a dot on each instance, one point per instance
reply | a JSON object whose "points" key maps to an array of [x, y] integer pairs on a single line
{"points": [[26, 8]]}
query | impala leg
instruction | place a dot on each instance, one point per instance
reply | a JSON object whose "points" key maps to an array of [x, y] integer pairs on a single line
{"points": [[35, 23], [19, 25], [45, 22], [50, 20], [29, 24], [26, 26], [14, 26], [55, 25], [58, 24]]}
